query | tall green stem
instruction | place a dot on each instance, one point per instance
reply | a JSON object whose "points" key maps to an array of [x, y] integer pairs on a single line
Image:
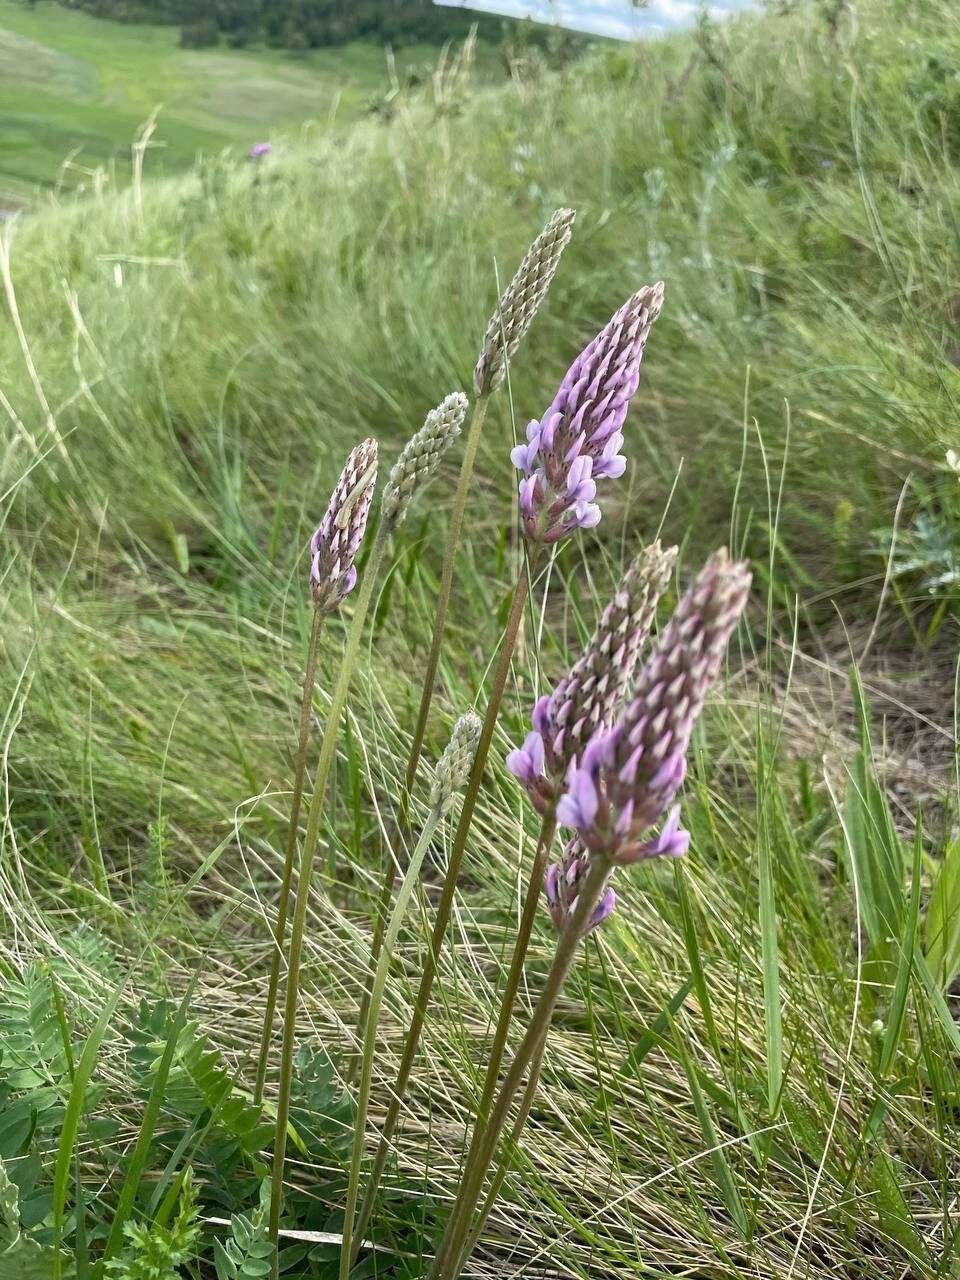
{"points": [[490, 1199], [529, 914], [376, 943], [520, 593], [454, 528], [389, 938], [450, 1256], [280, 927], [308, 854]]}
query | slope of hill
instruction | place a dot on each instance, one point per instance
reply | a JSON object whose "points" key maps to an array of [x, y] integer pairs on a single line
{"points": [[75, 90], [793, 187]]}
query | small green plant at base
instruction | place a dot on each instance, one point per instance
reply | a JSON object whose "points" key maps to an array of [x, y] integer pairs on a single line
{"points": [[155, 1252], [245, 1253]]}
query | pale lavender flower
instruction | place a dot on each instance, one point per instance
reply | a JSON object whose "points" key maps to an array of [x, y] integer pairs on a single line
{"points": [[259, 150], [589, 696], [578, 440], [628, 777], [334, 545]]}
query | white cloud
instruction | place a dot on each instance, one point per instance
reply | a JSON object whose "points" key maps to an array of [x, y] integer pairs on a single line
{"points": [[606, 17]]}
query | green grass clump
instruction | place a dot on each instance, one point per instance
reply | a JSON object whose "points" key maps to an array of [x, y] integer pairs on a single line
{"points": [[752, 1069]]}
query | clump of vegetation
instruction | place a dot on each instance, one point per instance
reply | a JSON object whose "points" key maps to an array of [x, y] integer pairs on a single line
{"points": [[738, 1056]]}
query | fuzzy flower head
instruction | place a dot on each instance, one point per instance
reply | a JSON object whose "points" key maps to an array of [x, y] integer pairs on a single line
{"points": [[453, 767], [334, 546], [521, 301], [421, 456], [589, 696], [578, 440], [629, 776], [259, 150]]}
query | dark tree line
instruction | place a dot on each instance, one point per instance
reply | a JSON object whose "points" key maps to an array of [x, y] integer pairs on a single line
{"points": [[301, 24]]}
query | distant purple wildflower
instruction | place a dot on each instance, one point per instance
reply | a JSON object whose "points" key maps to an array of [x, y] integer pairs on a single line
{"points": [[334, 546], [628, 777], [259, 150], [577, 441]]}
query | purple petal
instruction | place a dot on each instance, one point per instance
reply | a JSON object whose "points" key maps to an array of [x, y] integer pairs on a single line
{"points": [[603, 909], [541, 718], [527, 495], [586, 515]]}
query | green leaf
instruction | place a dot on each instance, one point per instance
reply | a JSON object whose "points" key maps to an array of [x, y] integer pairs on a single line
{"points": [[942, 925], [896, 1220], [33, 1048], [874, 849], [898, 1002], [721, 1165], [141, 1152], [71, 1123], [769, 940]]}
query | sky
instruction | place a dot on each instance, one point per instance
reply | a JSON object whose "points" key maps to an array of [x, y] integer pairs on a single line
{"points": [[608, 17]]}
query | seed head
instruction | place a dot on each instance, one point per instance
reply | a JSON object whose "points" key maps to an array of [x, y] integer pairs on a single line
{"points": [[453, 767], [521, 300], [421, 456], [578, 440], [629, 776], [589, 697], [334, 545]]}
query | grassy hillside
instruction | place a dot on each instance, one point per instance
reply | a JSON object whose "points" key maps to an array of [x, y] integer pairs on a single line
{"points": [[75, 90], [754, 1064]]}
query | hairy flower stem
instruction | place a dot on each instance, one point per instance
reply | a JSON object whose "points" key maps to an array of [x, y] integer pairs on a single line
{"points": [[389, 938], [280, 927], [508, 643], [531, 906], [451, 1256], [328, 748], [454, 528], [429, 679], [376, 944], [503, 1168]]}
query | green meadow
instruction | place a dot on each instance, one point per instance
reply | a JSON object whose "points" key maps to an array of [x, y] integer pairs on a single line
{"points": [[75, 92], [754, 1066]]}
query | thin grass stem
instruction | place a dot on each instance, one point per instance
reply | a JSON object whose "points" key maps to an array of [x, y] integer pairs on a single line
{"points": [[454, 529], [289, 853], [528, 915], [308, 854], [506, 1159], [389, 938], [508, 643], [451, 1254]]}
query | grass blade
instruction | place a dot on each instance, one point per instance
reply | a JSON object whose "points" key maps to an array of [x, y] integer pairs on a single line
{"points": [[141, 1151], [71, 1124]]}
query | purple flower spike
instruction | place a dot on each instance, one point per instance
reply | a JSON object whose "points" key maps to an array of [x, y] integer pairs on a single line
{"points": [[636, 769], [577, 441], [590, 695], [259, 150], [334, 546]]}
